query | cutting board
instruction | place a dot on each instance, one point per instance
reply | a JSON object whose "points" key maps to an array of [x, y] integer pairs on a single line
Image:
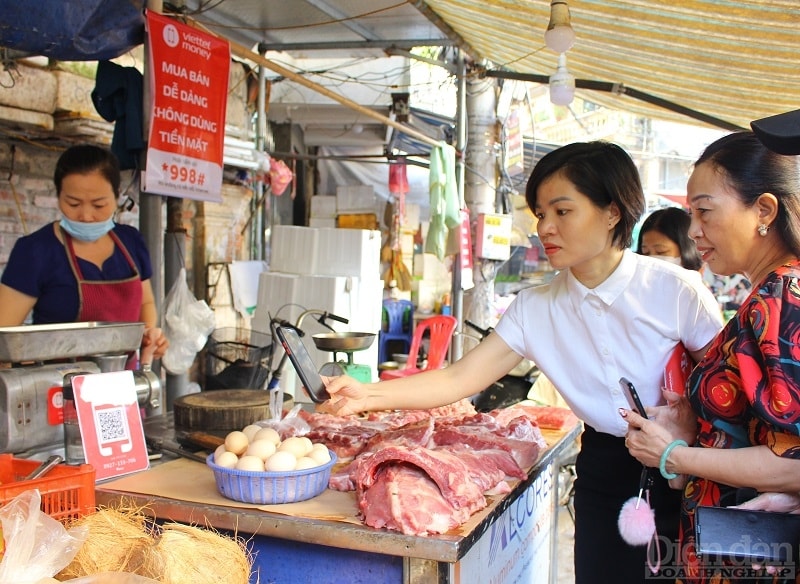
{"points": [[224, 409]]}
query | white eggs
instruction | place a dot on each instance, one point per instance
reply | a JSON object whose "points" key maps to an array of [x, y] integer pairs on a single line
{"points": [[320, 455], [294, 445], [220, 449], [251, 463], [305, 462], [236, 442], [250, 431], [270, 434], [261, 448], [281, 461], [258, 449], [308, 443], [319, 446], [226, 459]]}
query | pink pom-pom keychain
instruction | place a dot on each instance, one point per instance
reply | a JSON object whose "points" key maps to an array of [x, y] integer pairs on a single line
{"points": [[637, 520]]}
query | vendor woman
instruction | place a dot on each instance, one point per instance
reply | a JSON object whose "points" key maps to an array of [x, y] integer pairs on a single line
{"points": [[84, 267]]}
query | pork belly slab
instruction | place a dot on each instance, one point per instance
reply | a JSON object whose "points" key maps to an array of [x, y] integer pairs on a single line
{"points": [[420, 490], [449, 472], [404, 498]]}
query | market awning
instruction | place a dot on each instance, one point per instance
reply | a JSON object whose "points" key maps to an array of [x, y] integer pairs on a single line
{"points": [[731, 59], [735, 60]]}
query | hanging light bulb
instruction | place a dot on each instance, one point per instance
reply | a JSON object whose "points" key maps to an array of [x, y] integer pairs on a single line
{"points": [[562, 83], [559, 35]]}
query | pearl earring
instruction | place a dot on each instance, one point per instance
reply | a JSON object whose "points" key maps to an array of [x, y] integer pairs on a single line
{"points": [[762, 230]]}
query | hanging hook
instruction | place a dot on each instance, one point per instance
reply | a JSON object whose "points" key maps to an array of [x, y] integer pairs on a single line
{"points": [[9, 66]]}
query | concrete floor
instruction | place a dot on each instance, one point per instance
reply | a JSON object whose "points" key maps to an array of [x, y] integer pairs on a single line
{"points": [[566, 531]]}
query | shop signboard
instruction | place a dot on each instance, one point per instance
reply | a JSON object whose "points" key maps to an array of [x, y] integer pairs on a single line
{"points": [[519, 545], [188, 76]]}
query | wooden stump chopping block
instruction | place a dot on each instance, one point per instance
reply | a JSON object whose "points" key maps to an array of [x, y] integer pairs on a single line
{"points": [[224, 409]]}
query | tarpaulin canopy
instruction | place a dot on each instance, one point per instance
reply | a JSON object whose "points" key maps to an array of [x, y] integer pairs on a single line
{"points": [[76, 30], [734, 60]]}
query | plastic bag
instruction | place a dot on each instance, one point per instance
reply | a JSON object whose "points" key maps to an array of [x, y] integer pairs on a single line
{"points": [[37, 546], [280, 176], [289, 425], [187, 324]]}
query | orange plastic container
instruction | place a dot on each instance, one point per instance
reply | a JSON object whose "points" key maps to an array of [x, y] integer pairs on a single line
{"points": [[67, 491]]}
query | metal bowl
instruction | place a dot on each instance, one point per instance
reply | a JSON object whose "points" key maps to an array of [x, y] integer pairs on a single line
{"points": [[343, 341]]}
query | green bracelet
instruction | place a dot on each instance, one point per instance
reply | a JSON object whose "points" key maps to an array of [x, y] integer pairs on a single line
{"points": [[662, 465]]}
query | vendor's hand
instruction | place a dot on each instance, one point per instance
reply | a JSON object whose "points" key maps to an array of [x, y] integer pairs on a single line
{"points": [[154, 341], [776, 502], [348, 396]]}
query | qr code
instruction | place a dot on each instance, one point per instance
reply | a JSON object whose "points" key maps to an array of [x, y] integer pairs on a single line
{"points": [[112, 425]]}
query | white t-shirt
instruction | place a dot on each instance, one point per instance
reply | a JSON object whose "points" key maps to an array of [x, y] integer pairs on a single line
{"points": [[585, 339]]}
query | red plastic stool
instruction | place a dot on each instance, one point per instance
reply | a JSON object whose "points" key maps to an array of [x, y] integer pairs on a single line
{"points": [[441, 329]]}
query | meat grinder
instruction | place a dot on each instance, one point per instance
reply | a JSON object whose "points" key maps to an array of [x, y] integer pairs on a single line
{"points": [[35, 359]]}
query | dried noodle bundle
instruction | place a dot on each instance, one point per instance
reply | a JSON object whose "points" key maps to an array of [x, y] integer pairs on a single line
{"points": [[118, 541], [190, 555]]}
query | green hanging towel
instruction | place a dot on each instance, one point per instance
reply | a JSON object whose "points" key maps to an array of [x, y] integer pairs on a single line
{"points": [[443, 199]]}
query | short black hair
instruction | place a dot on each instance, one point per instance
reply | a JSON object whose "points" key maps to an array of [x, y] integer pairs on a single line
{"points": [[602, 171], [673, 223], [84, 159]]}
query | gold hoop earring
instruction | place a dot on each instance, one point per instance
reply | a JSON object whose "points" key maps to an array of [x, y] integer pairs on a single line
{"points": [[763, 229]]}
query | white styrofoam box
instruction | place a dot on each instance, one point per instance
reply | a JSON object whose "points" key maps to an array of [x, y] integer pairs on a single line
{"points": [[429, 267], [411, 218], [276, 291], [370, 299], [294, 249], [356, 199], [323, 206], [407, 243], [288, 295], [424, 295], [348, 252], [329, 222]]}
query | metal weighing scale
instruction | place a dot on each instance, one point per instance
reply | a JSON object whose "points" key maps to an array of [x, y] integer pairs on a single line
{"points": [[347, 343]]}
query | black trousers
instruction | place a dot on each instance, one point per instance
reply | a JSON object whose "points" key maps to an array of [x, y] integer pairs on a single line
{"points": [[607, 476]]}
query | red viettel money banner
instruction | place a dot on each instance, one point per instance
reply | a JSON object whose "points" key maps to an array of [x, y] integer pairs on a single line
{"points": [[188, 93]]}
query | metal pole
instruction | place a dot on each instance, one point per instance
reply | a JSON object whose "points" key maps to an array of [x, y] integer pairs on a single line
{"points": [[150, 221], [165, 253], [175, 259], [260, 203], [457, 295]]}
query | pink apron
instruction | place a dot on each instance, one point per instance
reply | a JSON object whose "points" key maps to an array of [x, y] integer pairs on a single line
{"points": [[107, 300]]}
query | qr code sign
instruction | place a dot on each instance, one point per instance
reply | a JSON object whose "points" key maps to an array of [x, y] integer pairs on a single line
{"points": [[112, 425]]}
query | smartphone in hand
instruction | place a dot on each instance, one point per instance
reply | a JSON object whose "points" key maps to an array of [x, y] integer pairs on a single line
{"points": [[633, 397], [303, 365]]}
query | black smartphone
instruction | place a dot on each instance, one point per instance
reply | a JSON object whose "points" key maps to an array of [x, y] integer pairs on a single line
{"points": [[303, 365], [633, 397], [753, 536]]}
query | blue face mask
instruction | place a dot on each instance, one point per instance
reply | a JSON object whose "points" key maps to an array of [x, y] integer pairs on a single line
{"points": [[87, 231]]}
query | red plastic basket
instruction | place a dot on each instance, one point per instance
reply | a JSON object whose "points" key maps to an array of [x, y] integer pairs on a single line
{"points": [[67, 491]]}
